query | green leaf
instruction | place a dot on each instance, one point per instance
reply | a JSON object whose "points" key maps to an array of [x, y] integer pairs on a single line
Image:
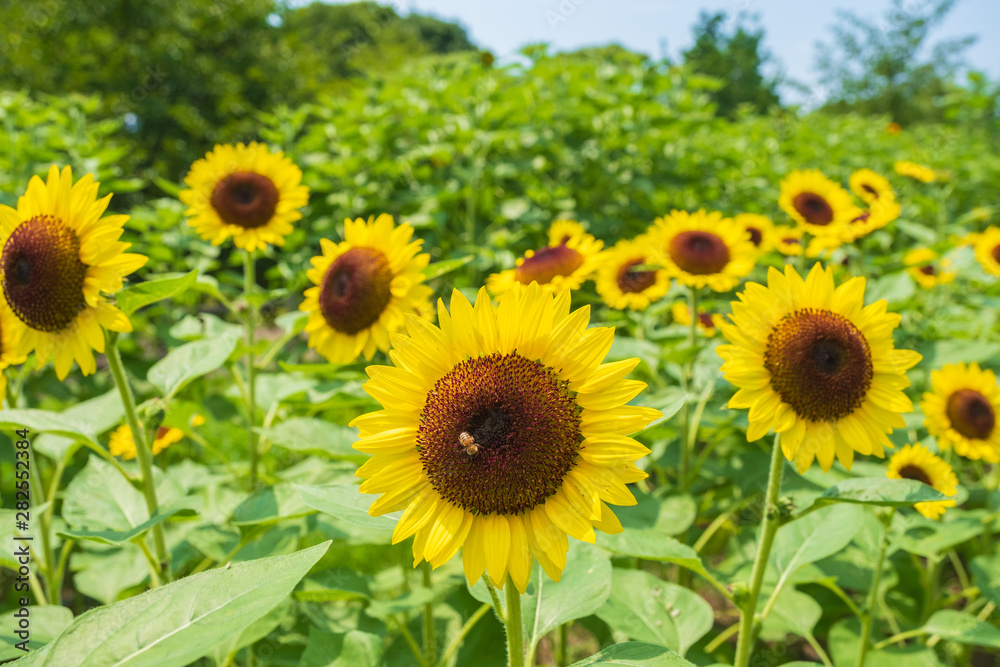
{"points": [[651, 545], [814, 537], [43, 421], [880, 491], [346, 504], [134, 297], [271, 504], [383, 609], [95, 415], [187, 507], [961, 627], [793, 613], [314, 436], [44, 625], [169, 187], [98, 499], [176, 624], [438, 269], [253, 633], [191, 360], [339, 583], [635, 654], [646, 608], [926, 537], [350, 649], [985, 572]]}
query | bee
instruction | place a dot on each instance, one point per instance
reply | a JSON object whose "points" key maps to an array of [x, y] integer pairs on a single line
{"points": [[466, 442]]}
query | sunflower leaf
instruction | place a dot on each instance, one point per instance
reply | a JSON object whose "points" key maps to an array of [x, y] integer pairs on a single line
{"points": [[438, 269], [635, 654], [134, 297], [880, 491], [189, 361]]}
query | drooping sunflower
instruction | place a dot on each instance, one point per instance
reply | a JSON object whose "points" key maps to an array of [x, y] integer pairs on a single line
{"points": [[363, 288], [708, 322], [245, 192], [621, 285], [502, 433], [58, 257], [703, 249], [919, 463], [122, 444], [925, 270], [816, 203], [567, 262], [788, 241], [9, 345], [815, 364], [961, 411], [760, 228], [915, 171], [871, 186], [987, 249]]}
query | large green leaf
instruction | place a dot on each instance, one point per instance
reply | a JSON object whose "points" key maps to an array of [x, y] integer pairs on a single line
{"points": [[176, 624], [814, 537], [314, 436], [44, 625], [134, 297], [926, 537], [94, 415], [189, 361], [648, 609], [346, 504], [794, 613], [651, 545], [98, 499], [985, 572], [43, 421], [438, 269], [186, 507], [961, 627], [635, 654], [350, 649], [271, 504], [881, 491]]}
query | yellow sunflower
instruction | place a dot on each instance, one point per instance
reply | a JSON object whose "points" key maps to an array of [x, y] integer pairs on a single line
{"points": [[915, 171], [122, 444], [760, 228], [703, 249], [621, 286], [9, 344], [870, 186], [58, 257], [961, 411], [245, 192], [927, 273], [567, 262], [788, 240], [865, 221], [815, 364], [502, 433], [987, 249], [917, 462], [709, 322], [816, 203], [363, 288], [893, 128]]}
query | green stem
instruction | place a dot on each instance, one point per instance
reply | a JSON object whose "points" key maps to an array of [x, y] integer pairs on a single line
{"points": [[61, 568], [933, 575], [410, 641], [497, 605], [48, 571], [991, 489], [456, 643], [869, 612], [769, 528], [154, 576], [899, 637], [249, 279], [515, 632], [430, 642], [563, 645], [690, 429], [144, 454]]}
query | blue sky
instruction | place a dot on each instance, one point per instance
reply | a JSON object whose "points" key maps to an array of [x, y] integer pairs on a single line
{"points": [[792, 27]]}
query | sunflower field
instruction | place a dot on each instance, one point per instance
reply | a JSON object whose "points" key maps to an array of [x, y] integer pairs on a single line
{"points": [[535, 364]]}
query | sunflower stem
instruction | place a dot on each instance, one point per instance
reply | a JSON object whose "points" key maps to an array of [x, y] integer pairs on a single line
{"points": [[690, 432], [512, 622], [769, 528], [430, 642], [143, 453], [249, 279], [868, 617]]}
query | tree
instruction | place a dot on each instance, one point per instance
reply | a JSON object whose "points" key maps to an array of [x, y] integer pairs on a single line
{"points": [[736, 59], [876, 67]]}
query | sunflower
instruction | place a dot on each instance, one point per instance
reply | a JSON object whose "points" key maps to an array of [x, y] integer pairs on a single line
{"points": [[123, 445], [702, 249], [9, 344], [816, 203], [57, 257], [915, 171], [815, 364], [961, 411], [987, 249], [917, 462], [502, 433], [363, 288], [863, 222], [921, 263], [621, 285], [760, 228], [709, 322], [567, 262], [870, 186], [244, 192], [788, 240], [893, 128]]}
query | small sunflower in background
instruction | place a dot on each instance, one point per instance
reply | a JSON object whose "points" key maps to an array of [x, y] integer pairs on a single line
{"points": [[816, 203], [567, 262], [363, 288], [244, 192], [919, 463], [788, 241], [922, 264], [865, 221], [509, 437], [893, 128], [623, 284], [871, 186], [915, 171], [961, 411], [58, 258], [122, 444], [760, 228], [703, 249], [816, 365], [987, 249], [9, 345], [708, 322]]}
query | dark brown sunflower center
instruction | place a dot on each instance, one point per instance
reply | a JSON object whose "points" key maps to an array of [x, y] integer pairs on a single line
{"points": [[525, 422], [706, 320], [996, 253], [869, 189], [861, 218], [820, 364], [631, 281], [792, 240], [699, 252], [355, 290], [915, 472], [927, 270], [815, 209], [245, 199], [548, 263], [971, 414], [42, 273], [756, 236]]}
